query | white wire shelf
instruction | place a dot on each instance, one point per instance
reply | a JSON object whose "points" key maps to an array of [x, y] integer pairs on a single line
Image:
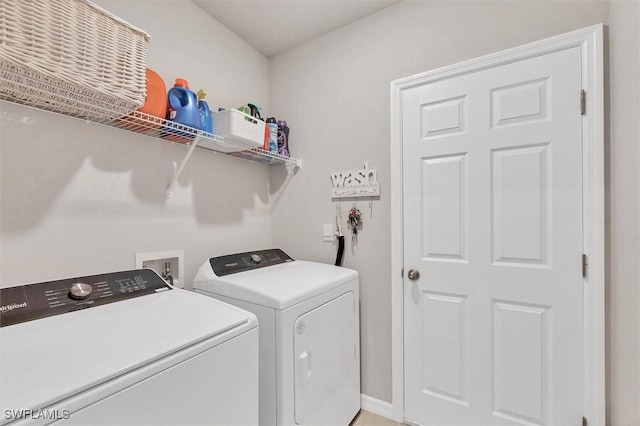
{"points": [[28, 91], [157, 128], [266, 157]]}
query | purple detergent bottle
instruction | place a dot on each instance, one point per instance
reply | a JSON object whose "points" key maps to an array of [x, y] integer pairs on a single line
{"points": [[283, 138]]}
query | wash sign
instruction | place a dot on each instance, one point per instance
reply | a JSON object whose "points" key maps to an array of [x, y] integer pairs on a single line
{"points": [[356, 183]]}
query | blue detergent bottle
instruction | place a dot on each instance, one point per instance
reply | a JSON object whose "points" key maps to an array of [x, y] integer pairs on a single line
{"points": [[206, 121], [183, 105]]}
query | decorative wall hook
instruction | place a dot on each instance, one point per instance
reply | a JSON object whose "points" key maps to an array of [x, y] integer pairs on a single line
{"points": [[356, 183]]}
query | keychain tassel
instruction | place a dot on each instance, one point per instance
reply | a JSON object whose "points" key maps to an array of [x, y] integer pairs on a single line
{"points": [[354, 219], [340, 236], [340, 253]]}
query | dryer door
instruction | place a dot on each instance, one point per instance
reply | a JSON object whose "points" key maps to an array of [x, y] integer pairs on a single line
{"points": [[325, 352]]}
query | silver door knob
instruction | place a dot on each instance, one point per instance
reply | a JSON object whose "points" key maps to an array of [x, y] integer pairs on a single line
{"points": [[413, 274]]}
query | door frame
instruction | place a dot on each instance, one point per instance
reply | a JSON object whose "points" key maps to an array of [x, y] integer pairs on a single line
{"points": [[590, 40]]}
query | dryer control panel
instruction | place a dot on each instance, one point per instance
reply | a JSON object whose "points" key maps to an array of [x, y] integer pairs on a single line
{"points": [[34, 301], [241, 262]]}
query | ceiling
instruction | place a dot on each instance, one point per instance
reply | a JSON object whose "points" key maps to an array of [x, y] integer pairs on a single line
{"points": [[275, 26]]}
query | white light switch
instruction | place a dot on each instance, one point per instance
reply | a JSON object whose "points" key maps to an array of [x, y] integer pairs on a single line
{"points": [[327, 232]]}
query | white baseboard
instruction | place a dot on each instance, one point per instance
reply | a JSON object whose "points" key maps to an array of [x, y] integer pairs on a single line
{"points": [[376, 406]]}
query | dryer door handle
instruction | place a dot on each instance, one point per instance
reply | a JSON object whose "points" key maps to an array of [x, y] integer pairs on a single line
{"points": [[304, 366]]}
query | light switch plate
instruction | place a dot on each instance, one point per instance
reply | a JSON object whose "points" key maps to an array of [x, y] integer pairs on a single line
{"points": [[327, 232]]}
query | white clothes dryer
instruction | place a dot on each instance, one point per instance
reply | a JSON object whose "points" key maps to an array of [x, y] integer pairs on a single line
{"points": [[309, 332], [125, 348]]}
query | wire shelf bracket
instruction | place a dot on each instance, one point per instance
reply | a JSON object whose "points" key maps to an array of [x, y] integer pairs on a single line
{"points": [[183, 163]]}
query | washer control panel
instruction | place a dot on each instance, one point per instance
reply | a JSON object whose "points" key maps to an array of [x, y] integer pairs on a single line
{"points": [[34, 301], [241, 262]]}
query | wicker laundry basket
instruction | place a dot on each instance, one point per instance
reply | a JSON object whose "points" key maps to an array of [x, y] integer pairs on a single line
{"points": [[71, 56]]}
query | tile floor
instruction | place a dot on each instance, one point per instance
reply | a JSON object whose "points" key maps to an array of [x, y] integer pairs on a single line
{"points": [[366, 418]]}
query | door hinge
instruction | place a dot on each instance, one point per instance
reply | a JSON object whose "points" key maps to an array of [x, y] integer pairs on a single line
{"points": [[583, 102], [585, 265], [584, 421]]}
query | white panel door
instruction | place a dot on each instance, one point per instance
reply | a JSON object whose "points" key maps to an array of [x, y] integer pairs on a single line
{"points": [[492, 181]]}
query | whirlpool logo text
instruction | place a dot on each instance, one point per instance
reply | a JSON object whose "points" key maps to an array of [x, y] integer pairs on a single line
{"points": [[12, 306]]}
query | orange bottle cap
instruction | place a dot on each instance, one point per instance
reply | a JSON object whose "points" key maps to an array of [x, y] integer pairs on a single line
{"points": [[181, 82]]}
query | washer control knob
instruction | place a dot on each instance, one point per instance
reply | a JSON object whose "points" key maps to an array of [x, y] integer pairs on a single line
{"points": [[255, 258], [80, 291]]}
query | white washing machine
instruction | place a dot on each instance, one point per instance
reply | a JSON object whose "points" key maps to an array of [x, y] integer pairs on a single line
{"points": [[309, 332], [125, 348]]}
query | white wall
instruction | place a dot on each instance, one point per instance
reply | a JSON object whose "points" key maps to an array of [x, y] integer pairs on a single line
{"points": [[80, 199], [623, 351], [335, 93]]}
